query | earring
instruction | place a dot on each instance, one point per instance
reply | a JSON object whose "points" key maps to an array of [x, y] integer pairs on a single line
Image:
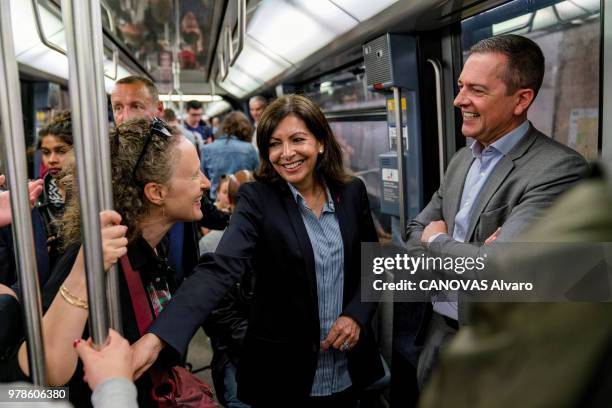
{"points": [[321, 150], [163, 210]]}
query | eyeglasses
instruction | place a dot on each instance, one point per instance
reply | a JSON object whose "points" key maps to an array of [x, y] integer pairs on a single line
{"points": [[157, 127]]}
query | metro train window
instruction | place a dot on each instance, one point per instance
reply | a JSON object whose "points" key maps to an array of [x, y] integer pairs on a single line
{"points": [[346, 90], [148, 30], [567, 106], [362, 143]]}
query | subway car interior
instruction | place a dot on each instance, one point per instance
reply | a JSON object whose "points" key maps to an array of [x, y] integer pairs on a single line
{"points": [[370, 67]]}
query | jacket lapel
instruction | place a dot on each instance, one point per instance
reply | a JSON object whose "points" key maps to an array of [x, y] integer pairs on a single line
{"points": [[305, 247], [454, 189], [497, 177]]}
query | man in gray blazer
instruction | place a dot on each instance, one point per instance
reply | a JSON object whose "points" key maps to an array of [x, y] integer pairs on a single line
{"points": [[494, 188]]}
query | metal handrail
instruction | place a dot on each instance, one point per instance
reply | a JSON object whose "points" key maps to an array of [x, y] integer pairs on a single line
{"points": [[113, 30], [43, 38], [82, 22], [176, 66], [104, 162], [358, 113], [226, 55], [222, 68], [41, 33], [241, 32], [440, 111], [399, 145], [13, 141]]}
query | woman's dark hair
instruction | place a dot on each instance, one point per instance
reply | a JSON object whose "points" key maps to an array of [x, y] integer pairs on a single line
{"points": [[60, 127], [237, 124], [329, 163]]}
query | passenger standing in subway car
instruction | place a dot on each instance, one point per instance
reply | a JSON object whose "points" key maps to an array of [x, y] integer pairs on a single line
{"points": [[231, 151], [194, 127], [136, 97], [300, 226], [215, 123], [257, 105], [505, 179], [227, 324], [55, 145], [157, 182]]}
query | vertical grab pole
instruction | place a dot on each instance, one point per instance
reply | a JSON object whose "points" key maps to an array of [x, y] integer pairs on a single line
{"points": [[440, 117], [104, 170], [79, 24], [13, 147], [397, 96]]}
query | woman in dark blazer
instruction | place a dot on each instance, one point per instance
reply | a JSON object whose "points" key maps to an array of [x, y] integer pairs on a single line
{"points": [[300, 225]]}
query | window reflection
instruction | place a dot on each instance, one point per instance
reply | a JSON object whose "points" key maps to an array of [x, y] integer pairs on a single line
{"points": [[362, 143], [147, 29], [346, 90]]}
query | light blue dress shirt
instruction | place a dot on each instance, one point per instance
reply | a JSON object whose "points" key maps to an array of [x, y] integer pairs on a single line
{"points": [[481, 169], [326, 239]]}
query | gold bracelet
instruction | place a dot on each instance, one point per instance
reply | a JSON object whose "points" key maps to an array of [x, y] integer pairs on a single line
{"points": [[73, 300], [71, 296]]}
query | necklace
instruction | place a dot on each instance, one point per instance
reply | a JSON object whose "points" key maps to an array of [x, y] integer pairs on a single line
{"points": [[315, 203]]}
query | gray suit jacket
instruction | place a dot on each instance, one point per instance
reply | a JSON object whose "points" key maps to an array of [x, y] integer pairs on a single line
{"points": [[521, 187]]}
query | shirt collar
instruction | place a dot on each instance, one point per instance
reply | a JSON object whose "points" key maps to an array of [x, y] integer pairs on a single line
{"points": [[299, 199], [505, 143]]}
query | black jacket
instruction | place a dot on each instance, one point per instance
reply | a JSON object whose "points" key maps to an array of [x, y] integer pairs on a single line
{"points": [[282, 341], [226, 327]]}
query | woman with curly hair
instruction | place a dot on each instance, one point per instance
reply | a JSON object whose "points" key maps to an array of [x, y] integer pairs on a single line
{"points": [[231, 151], [156, 182]]}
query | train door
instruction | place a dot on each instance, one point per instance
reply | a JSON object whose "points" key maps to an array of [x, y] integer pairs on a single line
{"points": [[435, 69]]}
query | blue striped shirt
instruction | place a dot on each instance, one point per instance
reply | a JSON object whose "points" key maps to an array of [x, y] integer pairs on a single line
{"points": [[324, 233]]}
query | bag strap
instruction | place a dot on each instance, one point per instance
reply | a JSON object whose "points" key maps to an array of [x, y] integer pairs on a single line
{"points": [[144, 317], [140, 304]]}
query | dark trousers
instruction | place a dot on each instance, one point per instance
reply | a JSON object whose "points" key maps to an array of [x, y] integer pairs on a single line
{"points": [[440, 332], [343, 399]]}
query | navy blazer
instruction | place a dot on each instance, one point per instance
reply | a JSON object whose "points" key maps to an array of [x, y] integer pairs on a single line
{"points": [[282, 342]]}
